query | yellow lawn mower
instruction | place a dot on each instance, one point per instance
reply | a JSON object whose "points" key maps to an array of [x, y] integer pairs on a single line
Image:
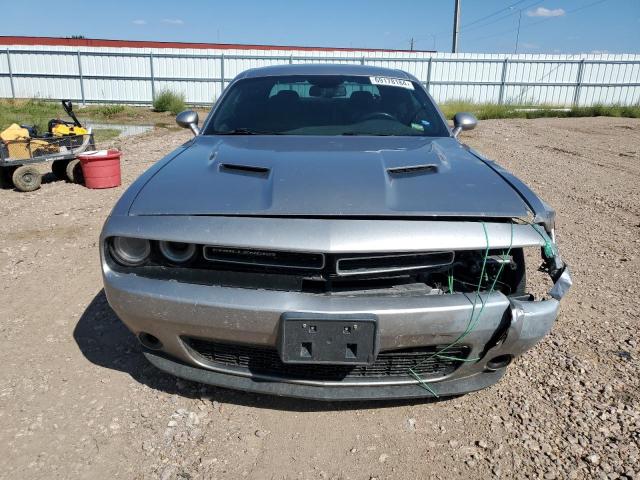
{"points": [[21, 147]]}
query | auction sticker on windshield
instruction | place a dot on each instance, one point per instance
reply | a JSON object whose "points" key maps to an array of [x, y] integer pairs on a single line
{"points": [[391, 82]]}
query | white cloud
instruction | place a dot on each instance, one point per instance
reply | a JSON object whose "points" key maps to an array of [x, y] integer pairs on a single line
{"points": [[599, 52], [173, 21], [546, 12], [139, 21]]}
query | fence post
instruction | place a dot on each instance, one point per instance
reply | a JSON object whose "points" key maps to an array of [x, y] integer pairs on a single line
{"points": [[290, 59], [503, 79], [80, 77], [13, 89], [576, 94], [362, 60], [429, 74], [153, 83]]}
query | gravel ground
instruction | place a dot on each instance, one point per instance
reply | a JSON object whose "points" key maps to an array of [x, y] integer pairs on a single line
{"points": [[78, 400]]}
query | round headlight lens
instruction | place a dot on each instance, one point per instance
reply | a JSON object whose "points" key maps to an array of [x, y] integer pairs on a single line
{"points": [[177, 252], [130, 251]]}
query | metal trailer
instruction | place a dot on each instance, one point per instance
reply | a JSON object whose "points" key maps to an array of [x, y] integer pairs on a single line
{"points": [[18, 158]]}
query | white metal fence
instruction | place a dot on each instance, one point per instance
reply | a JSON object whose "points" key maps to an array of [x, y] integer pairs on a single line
{"points": [[135, 76]]}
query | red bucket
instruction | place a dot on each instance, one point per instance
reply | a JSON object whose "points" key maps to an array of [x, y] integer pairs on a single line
{"points": [[101, 168]]}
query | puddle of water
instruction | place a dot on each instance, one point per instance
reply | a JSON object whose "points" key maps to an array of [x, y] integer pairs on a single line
{"points": [[125, 130]]}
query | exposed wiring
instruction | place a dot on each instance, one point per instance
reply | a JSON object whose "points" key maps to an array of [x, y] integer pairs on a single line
{"points": [[549, 247], [502, 284], [472, 322]]}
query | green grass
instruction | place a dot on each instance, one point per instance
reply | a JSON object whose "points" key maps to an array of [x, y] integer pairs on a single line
{"points": [[29, 112], [168, 101], [484, 111], [107, 111]]}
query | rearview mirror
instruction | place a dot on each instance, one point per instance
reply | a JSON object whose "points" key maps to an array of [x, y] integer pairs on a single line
{"points": [[188, 119], [463, 121]]}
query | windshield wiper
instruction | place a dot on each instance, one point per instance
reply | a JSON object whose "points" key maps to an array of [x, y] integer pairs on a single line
{"points": [[244, 131], [367, 134]]}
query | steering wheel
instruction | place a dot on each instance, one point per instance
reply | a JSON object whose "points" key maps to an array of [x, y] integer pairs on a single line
{"points": [[378, 115]]}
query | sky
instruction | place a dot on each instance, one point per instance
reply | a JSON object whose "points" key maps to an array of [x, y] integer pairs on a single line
{"points": [[487, 26]]}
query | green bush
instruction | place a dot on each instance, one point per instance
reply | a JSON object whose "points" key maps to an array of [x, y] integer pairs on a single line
{"points": [[485, 111], [108, 111], [168, 101]]}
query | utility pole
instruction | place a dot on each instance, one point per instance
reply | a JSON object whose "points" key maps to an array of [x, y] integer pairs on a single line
{"points": [[456, 27], [411, 44], [518, 34]]}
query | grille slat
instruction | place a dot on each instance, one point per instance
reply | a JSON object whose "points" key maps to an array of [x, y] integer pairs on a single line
{"points": [[264, 258], [364, 265], [388, 365]]}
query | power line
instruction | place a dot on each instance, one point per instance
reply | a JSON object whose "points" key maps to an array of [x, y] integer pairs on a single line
{"points": [[568, 11], [510, 14], [537, 22], [494, 13], [463, 27]]}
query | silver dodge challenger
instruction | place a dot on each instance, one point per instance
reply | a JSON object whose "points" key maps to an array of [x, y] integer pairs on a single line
{"points": [[325, 235]]}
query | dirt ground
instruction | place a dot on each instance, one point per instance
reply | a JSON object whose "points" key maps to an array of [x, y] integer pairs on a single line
{"points": [[78, 400]]}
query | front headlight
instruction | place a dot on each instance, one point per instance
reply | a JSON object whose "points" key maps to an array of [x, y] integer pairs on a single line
{"points": [[130, 252], [177, 252]]}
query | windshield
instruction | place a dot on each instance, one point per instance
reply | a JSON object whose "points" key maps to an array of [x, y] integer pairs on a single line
{"points": [[327, 105]]}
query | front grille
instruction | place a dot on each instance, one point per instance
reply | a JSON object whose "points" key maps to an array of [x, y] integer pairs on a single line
{"points": [[388, 365], [364, 265], [264, 258], [387, 274], [327, 264]]}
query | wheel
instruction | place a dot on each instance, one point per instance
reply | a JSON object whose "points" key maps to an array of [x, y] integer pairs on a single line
{"points": [[59, 169], [74, 171], [5, 176], [26, 178]]}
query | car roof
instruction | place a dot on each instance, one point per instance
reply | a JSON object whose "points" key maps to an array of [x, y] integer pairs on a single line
{"points": [[324, 69]]}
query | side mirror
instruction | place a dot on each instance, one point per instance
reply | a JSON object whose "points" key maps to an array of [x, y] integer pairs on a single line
{"points": [[463, 121], [188, 119]]}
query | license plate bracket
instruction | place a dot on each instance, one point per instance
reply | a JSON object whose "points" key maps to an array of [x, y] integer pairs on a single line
{"points": [[328, 339]]}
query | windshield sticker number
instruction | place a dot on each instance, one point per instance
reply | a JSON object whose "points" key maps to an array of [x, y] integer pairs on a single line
{"points": [[391, 82]]}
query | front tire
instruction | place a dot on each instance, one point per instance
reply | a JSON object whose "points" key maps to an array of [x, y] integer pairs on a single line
{"points": [[27, 178]]}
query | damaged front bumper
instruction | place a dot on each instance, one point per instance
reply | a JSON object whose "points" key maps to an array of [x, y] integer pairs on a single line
{"points": [[174, 312]]}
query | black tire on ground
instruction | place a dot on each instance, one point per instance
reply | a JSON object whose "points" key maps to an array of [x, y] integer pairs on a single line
{"points": [[5, 176], [27, 178], [59, 169], [74, 171]]}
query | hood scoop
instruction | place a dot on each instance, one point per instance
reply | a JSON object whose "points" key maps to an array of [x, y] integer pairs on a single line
{"points": [[413, 170], [240, 169]]}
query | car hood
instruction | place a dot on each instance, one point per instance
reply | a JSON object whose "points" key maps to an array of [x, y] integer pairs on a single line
{"points": [[327, 176]]}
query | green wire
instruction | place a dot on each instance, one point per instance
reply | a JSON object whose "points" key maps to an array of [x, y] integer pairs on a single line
{"points": [[550, 249], [472, 322], [422, 383]]}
